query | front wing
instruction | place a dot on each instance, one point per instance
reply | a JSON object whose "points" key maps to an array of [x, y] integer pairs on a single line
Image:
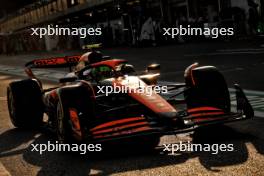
{"points": [[184, 121]]}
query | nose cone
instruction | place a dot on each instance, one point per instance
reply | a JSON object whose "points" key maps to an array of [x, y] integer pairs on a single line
{"points": [[168, 115], [167, 120]]}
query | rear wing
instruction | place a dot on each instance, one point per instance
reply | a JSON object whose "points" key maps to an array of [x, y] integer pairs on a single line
{"points": [[56, 62]]}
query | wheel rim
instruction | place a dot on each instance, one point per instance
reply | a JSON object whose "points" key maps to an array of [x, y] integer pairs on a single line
{"points": [[11, 104], [60, 130]]}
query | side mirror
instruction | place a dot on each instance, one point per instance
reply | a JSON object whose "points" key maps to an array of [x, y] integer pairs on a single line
{"points": [[153, 68]]}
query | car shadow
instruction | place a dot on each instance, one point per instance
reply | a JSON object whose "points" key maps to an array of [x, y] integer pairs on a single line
{"points": [[103, 163], [221, 135], [13, 138], [118, 161], [237, 134]]}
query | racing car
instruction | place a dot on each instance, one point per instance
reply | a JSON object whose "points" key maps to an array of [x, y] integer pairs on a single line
{"points": [[78, 111]]}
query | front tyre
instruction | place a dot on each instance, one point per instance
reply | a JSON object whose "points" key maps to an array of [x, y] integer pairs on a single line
{"points": [[75, 111], [63, 128]]}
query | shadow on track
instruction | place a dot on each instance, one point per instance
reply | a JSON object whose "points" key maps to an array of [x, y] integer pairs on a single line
{"points": [[238, 134], [62, 163]]}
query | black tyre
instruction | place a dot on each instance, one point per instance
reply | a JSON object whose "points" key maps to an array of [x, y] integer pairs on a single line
{"points": [[76, 99], [25, 104], [64, 131], [207, 87]]}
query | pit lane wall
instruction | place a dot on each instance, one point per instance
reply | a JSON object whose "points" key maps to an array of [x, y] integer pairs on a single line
{"points": [[121, 21]]}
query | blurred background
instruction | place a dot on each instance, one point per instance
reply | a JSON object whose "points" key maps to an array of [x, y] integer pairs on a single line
{"points": [[123, 22], [132, 30]]}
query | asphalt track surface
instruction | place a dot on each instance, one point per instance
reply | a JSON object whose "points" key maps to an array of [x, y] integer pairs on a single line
{"points": [[238, 64]]}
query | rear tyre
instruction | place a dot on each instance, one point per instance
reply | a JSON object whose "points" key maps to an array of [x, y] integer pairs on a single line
{"points": [[25, 104]]}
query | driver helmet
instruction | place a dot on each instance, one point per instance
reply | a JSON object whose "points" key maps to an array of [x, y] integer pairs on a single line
{"points": [[89, 58]]}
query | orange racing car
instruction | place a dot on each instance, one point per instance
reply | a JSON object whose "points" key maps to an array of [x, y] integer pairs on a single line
{"points": [[78, 111]]}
